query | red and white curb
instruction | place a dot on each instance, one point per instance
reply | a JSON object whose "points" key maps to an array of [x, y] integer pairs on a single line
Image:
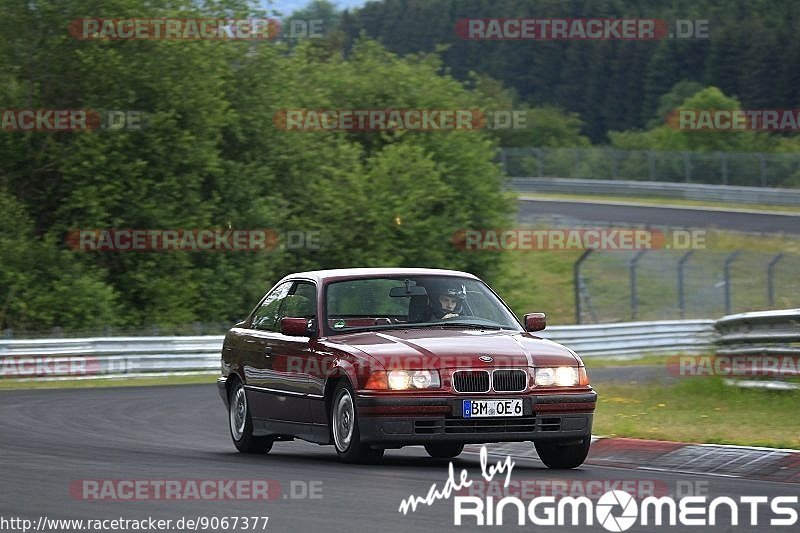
{"points": [[748, 462]]}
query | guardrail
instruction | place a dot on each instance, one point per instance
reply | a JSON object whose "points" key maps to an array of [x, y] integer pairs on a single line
{"points": [[754, 169], [109, 356], [631, 339], [760, 330], [770, 338], [687, 191], [770, 333], [39, 359]]}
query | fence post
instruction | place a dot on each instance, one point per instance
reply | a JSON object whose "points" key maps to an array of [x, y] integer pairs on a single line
{"points": [[687, 168], [724, 158], [576, 280], [762, 166], [576, 162], [770, 273], [727, 279], [539, 163], [681, 301], [634, 296], [651, 165], [614, 163]]}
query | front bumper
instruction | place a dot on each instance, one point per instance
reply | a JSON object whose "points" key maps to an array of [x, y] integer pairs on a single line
{"points": [[400, 421]]}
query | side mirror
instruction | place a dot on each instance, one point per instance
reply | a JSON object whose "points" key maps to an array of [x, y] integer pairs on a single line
{"points": [[535, 321], [297, 327]]}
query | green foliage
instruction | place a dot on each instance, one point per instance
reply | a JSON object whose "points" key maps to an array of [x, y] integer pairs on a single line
{"points": [[669, 137], [209, 156], [43, 287], [751, 52]]}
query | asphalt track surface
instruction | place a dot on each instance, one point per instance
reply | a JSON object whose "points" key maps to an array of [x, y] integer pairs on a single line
{"points": [[566, 212], [51, 438]]}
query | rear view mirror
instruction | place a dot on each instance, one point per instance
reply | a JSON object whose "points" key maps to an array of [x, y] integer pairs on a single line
{"points": [[535, 321], [296, 327], [407, 291]]}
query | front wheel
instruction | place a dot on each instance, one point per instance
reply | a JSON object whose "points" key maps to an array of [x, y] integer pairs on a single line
{"points": [[444, 450], [241, 425], [344, 426], [560, 455]]}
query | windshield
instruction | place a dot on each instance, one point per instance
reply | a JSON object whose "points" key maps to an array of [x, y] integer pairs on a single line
{"points": [[414, 301]]}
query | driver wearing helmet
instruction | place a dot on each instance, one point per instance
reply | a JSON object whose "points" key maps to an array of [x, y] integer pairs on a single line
{"points": [[448, 303]]}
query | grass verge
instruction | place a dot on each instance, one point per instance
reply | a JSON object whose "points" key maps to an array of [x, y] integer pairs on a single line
{"points": [[610, 362], [702, 410], [19, 384]]}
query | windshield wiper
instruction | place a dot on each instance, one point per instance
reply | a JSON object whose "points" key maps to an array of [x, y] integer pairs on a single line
{"points": [[467, 325]]}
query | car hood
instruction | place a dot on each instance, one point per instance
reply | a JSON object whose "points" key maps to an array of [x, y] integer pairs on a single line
{"points": [[437, 348]]}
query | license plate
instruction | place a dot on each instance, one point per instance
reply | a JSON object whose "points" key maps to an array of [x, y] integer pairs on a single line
{"points": [[484, 408]]}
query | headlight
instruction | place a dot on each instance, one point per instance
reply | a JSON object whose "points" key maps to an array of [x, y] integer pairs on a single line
{"points": [[563, 376], [566, 376], [413, 379], [545, 376]]}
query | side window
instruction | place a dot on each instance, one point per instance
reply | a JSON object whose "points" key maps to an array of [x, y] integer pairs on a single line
{"points": [[301, 301], [266, 316]]}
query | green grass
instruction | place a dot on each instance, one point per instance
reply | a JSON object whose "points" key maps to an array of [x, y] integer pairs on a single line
{"points": [[702, 410], [19, 384], [662, 201], [607, 362]]}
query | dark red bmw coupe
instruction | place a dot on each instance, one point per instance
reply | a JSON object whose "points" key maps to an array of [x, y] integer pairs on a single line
{"points": [[375, 358]]}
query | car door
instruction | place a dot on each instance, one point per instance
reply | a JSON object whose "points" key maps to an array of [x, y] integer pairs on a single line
{"points": [[256, 347], [278, 380], [293, 358]]}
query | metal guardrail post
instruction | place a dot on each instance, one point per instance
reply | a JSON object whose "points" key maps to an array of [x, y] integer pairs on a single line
{"points": [[539, 161], [727, 279], [687, 167], [576, 280], [651, 165], [724, 158], [634, 295], [770, 273], [614, 163], [681, 262]]}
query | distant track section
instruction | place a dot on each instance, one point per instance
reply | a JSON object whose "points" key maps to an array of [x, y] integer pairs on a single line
{"points": [[599, 212]]}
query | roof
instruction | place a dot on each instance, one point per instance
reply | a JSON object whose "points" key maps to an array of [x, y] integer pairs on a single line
{"points": [[325, 275]]}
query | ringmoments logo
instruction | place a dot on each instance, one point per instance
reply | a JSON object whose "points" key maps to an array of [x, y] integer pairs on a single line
{"points": [[615, 510]]}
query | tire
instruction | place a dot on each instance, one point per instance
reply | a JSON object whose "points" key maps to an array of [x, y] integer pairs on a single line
{"points": [[444, 450], [560, 455], [241, 425], [344, 429]]}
